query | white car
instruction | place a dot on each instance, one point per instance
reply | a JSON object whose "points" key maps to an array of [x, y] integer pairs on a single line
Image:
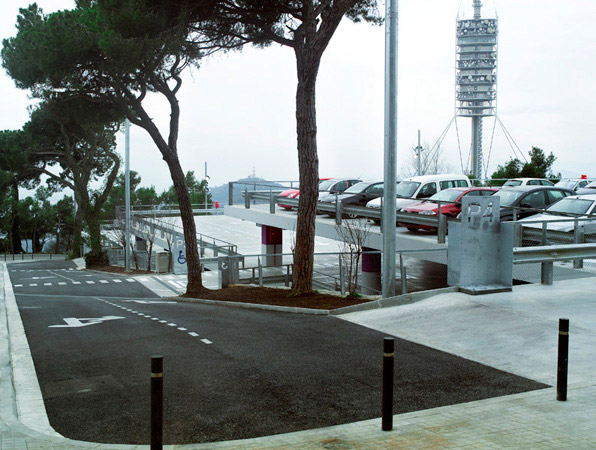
{"points": [[574, 184], [412, 189], [581, 207], [528, 182]]}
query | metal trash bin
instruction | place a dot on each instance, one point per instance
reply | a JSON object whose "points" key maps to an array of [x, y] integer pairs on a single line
{"points": [[162, 262]]}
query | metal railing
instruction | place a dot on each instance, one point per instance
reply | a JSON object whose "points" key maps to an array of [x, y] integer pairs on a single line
{"points": [[31, 256], [547, 255], [329, 273]]}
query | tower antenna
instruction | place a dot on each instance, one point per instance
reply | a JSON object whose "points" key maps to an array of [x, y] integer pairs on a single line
{"points": [[476, 76]]}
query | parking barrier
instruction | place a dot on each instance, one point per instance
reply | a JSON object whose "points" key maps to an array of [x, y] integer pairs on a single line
{"points": [[157, 402], [388, 366], [563, 360]]}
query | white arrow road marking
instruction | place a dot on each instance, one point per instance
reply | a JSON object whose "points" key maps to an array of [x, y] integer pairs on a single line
{"points": [[73, 322]]}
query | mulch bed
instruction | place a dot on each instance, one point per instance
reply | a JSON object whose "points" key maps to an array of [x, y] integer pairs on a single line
{"points": [[121, 270], [260, 295], [279, 297]]}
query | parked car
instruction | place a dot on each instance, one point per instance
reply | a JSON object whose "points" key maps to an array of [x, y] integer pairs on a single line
{"points": [[528, 182], [528, 200], [588, 189], [450, 204], [336, 186], [576, 206], [425, 186], [356, 195], [294, 193], [574, 184]]}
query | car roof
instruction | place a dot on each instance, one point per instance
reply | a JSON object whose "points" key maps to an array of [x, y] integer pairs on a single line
{"points": [[440, 177], [584, 197], [467, 189], [531, 188]]}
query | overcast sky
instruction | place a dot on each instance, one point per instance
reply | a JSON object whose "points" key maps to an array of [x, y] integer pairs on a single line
{"points": [[238, 109]]}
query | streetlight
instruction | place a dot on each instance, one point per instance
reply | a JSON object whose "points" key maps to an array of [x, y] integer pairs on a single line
{"points": [[390, 160]]}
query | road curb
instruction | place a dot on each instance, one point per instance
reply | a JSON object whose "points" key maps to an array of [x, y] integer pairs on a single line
{"points": [[287, 309], [30, 407]]}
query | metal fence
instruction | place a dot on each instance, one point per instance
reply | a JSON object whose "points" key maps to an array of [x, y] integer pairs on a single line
{"points": [[32, 257], [418, 270]]}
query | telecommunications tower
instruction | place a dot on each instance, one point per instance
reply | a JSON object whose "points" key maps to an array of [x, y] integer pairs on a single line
{"points": [[476, 76]]}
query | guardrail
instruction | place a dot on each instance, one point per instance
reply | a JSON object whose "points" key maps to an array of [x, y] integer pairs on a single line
{"points": [[31, 256], [548, 254]]}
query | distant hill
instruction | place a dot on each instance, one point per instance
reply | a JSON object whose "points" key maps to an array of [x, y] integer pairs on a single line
{"points": [[220, 193]]}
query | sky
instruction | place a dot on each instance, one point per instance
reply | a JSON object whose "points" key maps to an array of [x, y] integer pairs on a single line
{"points": [[238, 109]]}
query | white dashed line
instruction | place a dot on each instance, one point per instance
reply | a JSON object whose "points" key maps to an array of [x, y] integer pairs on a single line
{"points": [[172, 325], [18, 285], [47, 284], [206, 341], [182, 328], [155, 318], [76, 282], [90, 282], [117, 281], [61, 283], [130, 280], [33, 285], [103, 281], [193, 334], [163, 321]]}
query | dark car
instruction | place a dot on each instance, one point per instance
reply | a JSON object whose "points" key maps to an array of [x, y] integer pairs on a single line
{"points": [[356, 195], [336, 186], [450, 201], [528, 200]]}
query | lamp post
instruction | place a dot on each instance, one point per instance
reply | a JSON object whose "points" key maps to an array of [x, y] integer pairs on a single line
{"points": [[390, 152], [127, 195], [418, 155]]}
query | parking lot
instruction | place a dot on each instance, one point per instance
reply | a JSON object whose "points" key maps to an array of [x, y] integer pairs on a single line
{"points": [[229, 373]]}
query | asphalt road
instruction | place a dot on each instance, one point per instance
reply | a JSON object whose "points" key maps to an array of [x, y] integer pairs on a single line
{"points": [[228, 373]]}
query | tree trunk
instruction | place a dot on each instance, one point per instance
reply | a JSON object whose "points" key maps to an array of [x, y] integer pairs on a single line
{"points": [[15, 231], [77, 238], [195, 278], [168, 150], [94, 231], [308, 169]]}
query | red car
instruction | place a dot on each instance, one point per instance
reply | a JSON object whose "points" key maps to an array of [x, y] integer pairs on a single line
{"points": [[293, 193], [450, 204]]}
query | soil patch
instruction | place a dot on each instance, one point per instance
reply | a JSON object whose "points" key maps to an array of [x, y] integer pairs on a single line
{"points": [[280, 297], [261, 295]]}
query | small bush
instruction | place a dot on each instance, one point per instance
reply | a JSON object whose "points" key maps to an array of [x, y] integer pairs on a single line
{"points": [[94, 259]]}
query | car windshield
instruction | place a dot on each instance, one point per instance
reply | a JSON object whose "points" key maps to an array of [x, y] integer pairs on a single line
{"points": [[446, 196], [513, 183], [326, 184], [406, 188], [357, 188], [591, 185], [508, 197], [570, 206], [566, 184]]}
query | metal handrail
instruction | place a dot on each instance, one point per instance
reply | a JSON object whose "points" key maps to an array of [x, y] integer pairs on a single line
{"points": [[552, 253]]}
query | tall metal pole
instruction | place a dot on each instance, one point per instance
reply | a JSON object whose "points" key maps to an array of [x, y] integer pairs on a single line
{"points": [[418, 153], [390, 163], [477, 121], [127, 195], [205, 192]]}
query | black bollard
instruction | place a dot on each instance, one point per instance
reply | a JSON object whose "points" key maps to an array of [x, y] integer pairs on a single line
{"points": [[387, 403], [563, 360], [157, 402]]}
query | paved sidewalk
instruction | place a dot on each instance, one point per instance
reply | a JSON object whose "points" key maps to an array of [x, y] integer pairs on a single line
{"points": [[533, 420]]}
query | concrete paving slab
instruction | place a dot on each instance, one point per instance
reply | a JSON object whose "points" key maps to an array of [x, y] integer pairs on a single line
{"points": [[514, 331]]}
